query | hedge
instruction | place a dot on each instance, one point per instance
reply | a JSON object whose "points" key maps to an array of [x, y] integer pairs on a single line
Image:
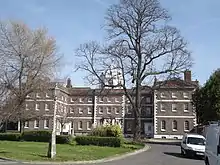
{"points": [[107, 131], [99, 141], [36, 136], [10, 136], [64, 139]]}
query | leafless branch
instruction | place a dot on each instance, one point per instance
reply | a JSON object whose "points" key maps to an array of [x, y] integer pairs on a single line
{"points": [[141, 45]]}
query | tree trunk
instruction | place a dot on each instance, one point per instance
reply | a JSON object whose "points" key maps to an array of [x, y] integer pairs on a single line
{"points": [[137, 131], [21, 126], [61, 129], [137, 120], [6, 125], [137, 128]]}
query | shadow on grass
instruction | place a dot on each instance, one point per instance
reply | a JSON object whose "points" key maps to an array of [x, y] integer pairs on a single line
{"points": [[179, 155], [4, 152], [5, 159], [40, 155]]}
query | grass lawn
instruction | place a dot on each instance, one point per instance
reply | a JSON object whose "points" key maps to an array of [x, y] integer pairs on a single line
{"points": [[35, 151]]}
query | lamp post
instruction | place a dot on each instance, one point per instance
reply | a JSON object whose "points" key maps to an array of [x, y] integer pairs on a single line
{"points": [[52, 145]]}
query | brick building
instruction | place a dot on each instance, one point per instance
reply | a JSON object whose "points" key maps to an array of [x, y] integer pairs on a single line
{"points": [[173, 110], [166, 112], [81, 109]]}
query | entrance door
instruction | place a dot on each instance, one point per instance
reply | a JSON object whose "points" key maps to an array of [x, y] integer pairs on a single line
{"points": [[148, 129]]}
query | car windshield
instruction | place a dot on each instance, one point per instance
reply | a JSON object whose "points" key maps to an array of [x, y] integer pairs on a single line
{"points": [[195, 141]]}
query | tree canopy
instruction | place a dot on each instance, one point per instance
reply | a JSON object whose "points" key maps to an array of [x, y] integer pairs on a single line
{"points": [[28, 60], [206, 99]]}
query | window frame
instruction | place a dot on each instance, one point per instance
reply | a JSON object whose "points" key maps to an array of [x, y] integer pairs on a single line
{"points": [[46, 107], [37, 107], [101, 108], [184, 107], [35, 123], [37, 95], [79, 124], [108, 110], [26, 124], [174, 94], [90, 100], [174, 110], [163, 125], [45, 123], [174, 123], [162, 107], [80, 110], [187, 130], [88, 124], [89, 110]]}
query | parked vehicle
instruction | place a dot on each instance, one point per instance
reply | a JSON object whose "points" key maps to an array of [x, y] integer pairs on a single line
{"points": [[193, 145], [212, 151]]}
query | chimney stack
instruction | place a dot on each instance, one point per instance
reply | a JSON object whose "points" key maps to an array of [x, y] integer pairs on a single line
{"points": [[69, 85], [187, 76]]}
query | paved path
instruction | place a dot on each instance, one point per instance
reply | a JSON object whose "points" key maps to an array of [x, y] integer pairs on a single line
{"points": [[157, 155], [7, 162]]}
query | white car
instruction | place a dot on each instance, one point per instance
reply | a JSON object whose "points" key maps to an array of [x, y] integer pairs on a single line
{"points": [[193, 145], [212, 150]]}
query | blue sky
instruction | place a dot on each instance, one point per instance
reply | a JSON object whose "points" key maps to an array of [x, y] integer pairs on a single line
{"points": [[73, 22]]}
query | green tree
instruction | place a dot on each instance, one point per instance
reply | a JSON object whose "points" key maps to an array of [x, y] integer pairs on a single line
{"points": [[207, 99]]}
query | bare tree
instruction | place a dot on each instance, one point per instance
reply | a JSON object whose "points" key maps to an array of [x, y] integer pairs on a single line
{"points": [[141, 45], [28, 60]]}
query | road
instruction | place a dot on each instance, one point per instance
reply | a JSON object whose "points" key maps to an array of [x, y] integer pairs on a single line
{"points": [[157, 155]]}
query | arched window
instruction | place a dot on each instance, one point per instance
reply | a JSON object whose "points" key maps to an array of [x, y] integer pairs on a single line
{"points": [[174, 125], [163, 125]]}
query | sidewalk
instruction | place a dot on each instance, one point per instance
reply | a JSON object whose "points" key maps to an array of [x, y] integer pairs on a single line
{"points": [[163, 141]]}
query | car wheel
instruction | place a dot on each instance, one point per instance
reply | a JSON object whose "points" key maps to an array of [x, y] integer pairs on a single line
{"points": [[182, 151]]}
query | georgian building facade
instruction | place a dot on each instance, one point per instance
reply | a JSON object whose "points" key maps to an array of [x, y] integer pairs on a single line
{"points": [[166, 112], [81, 109], [174, 114]]}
